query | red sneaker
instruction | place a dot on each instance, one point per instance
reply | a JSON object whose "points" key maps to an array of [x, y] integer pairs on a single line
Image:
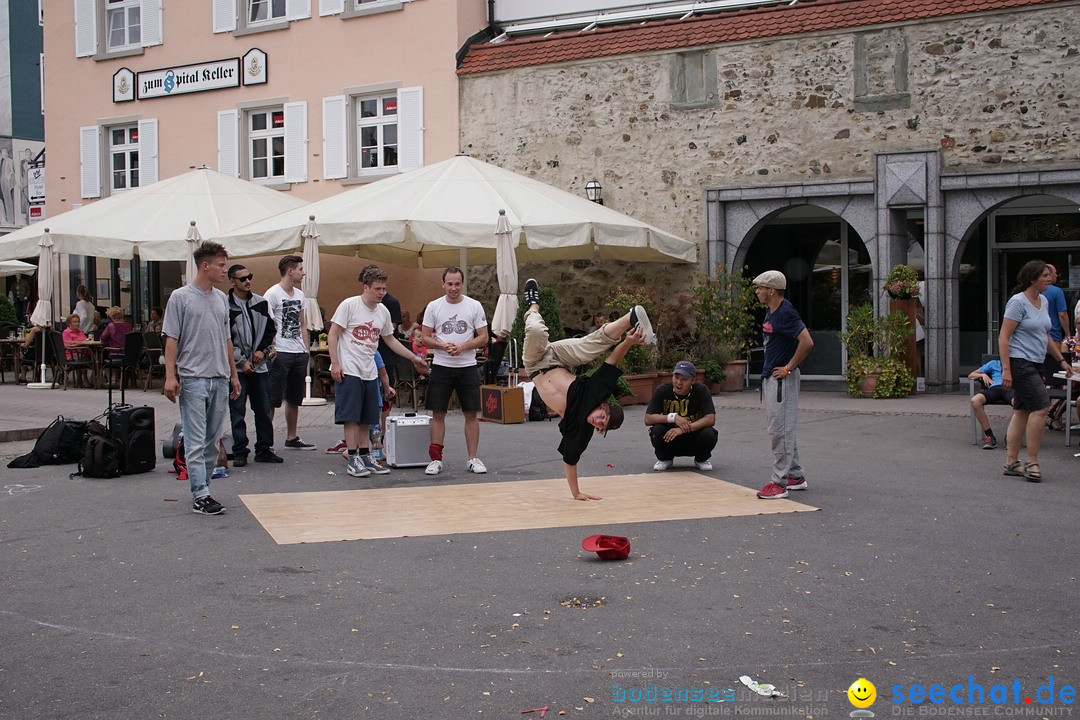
{"points": [[334, 450], [794, 483], [772, 491]]}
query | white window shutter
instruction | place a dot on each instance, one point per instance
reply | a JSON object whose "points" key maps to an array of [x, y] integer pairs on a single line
{"points": [[297, 9], [410, 128], [335, 137], [148, 152], [331, 7], [225, 15], [90, 161], [228, 152], [85, 28], [296, 142], [151, 22]]}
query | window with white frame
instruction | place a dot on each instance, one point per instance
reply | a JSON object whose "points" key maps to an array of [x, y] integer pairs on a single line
{"points": [[266, 144], [372, 134], [351, 8], [265, 10], [124, 155], [123, 24], [117, 156], [242, 16], [377, 132], [116, 26]]}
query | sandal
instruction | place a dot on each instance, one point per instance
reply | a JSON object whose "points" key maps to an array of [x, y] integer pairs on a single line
{"points": [[1032, 475], [1013, 469]]}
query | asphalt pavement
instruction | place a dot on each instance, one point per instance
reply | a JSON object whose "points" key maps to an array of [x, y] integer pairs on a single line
{"points": [[924, 566]]}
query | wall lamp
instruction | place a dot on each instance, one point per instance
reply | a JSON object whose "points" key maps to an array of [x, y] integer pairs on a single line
{"points": [[593, 191]]}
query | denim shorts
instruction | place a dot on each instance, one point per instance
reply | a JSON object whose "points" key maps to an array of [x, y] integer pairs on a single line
{"points": [[356, 401]]}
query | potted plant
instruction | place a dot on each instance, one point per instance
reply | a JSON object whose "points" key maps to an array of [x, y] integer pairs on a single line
{"points": [[875, 366], [723, 309], [902, 283], [902, 287]]}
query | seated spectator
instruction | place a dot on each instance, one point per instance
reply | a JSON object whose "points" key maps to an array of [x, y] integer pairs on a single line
{"points": [[31, 354], [405, 329], [418, 347], [993, 392], [114, 332], [154, 323], [680, 417], [74, 334], [113, 338]]}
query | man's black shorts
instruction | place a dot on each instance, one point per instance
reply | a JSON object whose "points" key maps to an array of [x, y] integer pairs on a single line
{"points": [[997, 395], [446, 380]]}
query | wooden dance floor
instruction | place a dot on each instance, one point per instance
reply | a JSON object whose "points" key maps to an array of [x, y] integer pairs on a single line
{"points": [[308, 517]]}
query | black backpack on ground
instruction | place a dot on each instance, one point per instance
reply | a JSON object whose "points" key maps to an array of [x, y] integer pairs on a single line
{"points": [[101, 458], [58, 444]]}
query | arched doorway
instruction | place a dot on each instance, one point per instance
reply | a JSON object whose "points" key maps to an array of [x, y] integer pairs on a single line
{"points": [[828, 270], [1034, 226]]}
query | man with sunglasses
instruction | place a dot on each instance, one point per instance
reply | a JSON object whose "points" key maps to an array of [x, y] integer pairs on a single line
{"points": [[253, 334]]}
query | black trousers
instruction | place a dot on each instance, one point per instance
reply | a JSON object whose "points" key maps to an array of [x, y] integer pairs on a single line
{"points": [[698, 444]]}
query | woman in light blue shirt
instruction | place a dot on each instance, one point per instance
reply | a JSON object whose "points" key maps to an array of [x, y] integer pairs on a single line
{"points": [[1023, 343]]}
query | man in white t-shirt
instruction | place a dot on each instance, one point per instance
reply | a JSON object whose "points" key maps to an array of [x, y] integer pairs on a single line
{"points": [[454, 327], [289, 367], [358, 324]]}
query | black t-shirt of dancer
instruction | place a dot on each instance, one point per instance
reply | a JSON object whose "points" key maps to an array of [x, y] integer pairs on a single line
{"points": [[582, 397]]}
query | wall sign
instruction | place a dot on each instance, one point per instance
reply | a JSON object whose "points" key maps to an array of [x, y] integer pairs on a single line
{"points": [[181, 79]]}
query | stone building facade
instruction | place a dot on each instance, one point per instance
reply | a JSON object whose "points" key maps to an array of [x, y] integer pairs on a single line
{"points": [[828, 139]]}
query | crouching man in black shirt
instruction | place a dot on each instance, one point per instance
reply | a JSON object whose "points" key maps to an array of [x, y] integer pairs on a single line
{"points": [[581, 401]]}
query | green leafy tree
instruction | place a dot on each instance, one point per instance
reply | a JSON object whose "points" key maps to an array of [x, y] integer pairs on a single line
{"points": [[723, 311], [7, 310]]}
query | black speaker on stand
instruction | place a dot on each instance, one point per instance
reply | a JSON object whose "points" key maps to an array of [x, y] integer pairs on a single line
{"points": [[133, 428]]}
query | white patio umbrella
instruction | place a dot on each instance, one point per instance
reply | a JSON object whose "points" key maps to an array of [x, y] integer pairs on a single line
{"points": [[16, 267], [437, 210], [313, 319], [151, 221], [193, 238], [43, 311], [506, 270]]}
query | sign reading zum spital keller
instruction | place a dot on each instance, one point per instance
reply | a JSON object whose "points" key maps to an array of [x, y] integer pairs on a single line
{"points": [[200, 77]]}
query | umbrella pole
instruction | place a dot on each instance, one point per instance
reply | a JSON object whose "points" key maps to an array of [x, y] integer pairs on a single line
{"points": [[308, 400], [42, 385]]}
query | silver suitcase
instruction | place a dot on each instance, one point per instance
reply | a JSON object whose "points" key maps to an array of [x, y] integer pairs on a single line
{"points": [[407, 439]]}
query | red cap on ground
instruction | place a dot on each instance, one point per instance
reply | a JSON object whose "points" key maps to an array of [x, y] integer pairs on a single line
{"points": [[608, 547]]}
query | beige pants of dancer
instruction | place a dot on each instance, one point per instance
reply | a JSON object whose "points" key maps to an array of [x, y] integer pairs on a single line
{"points": [[539, 354]]}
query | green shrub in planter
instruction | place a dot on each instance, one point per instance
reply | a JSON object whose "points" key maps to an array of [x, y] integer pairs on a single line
{"points": [[7, 310]]}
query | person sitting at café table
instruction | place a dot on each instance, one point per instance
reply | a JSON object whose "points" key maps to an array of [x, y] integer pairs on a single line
{"points": [[113, 337], [73, 334], [30, 354]]}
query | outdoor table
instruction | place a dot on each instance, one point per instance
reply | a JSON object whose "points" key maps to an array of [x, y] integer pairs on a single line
{"points": [[1069, 401]]}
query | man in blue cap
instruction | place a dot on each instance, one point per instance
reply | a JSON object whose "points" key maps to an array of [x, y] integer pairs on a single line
{"points": [[680, 417]]}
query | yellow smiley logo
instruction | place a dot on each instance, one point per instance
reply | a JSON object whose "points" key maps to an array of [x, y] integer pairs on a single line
{"points": [[862, 693]]}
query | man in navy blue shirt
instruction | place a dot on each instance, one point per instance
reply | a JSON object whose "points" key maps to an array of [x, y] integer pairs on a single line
{"points": [[787, 343]]}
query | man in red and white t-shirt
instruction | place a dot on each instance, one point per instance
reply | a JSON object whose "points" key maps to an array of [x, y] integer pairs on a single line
{"points": [[355, 329]]}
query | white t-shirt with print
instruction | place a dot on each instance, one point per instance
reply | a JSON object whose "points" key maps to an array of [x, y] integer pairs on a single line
{"points": [[363, 327], [288, 314], [454, 323]]}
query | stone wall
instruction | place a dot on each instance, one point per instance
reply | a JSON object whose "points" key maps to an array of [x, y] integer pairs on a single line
{"points": [[991, 90]]}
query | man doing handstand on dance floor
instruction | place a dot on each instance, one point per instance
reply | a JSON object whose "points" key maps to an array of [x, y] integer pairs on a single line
{"points": [[581, 401]]}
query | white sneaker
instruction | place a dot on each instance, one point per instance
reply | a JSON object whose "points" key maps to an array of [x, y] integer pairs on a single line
{"points": [[476, 465], [704, 465], [434, 467], [662, 465], [356, 467]]}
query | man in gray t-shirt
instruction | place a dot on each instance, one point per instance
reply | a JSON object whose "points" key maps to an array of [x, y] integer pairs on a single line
{"points": [[200, 369]]}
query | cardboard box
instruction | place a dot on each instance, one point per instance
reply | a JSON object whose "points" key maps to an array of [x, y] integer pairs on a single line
{"points": [[500, 404]]}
